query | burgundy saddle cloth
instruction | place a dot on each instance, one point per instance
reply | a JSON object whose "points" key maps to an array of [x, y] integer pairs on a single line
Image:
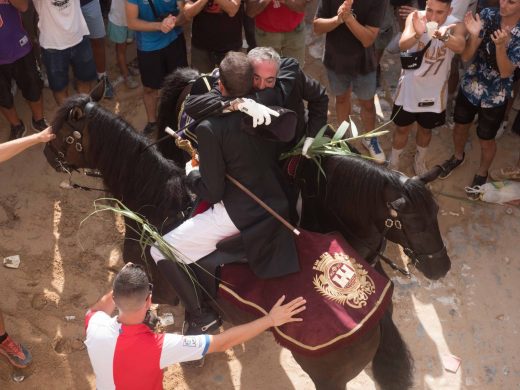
{"points": [[345, 296]]}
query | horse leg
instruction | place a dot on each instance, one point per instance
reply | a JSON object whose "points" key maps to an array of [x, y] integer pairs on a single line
{"points": [[393, 364], [335, 369]]}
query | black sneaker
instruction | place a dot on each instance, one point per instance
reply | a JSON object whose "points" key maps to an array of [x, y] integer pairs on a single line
{"points": [[150, 128], [206, 322], [17, 131], [449, 165], [472, 192], [39, 125], [109, 89]]}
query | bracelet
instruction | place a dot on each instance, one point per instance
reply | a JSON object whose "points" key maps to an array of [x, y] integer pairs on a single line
{"points": [[417, 36], [350, 13]]}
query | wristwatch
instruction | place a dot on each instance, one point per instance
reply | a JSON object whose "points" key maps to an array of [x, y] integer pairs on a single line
{"points": [[417, 36]]}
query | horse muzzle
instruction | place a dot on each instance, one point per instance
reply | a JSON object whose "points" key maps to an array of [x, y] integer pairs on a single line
{"points": [[433, 266]]}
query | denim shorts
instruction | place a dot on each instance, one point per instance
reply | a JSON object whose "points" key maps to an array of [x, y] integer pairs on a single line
{"points": [[94, 18], [57, 64], [363, 85]]}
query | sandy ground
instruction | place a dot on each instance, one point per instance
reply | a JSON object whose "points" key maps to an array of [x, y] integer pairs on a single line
{"points": [[66, 265]]}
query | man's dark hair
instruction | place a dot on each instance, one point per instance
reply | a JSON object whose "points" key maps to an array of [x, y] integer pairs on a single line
{"points": [[131, 288], [236, 74]]}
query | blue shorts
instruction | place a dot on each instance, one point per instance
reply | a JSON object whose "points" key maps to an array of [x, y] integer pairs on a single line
{"points": [[57, 64], [118, 34], [94, 18], [363, 85]]}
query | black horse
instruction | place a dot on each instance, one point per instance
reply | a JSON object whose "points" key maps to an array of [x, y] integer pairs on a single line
{"points": [[366, 203], [88, 136]]}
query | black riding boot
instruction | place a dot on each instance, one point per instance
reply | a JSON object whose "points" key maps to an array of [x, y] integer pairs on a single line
{"points": [[199, 316]]}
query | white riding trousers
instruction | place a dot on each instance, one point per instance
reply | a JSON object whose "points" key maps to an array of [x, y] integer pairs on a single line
{"points": [[198, 236]]}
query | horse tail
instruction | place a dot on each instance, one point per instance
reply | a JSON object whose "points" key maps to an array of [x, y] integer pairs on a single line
{"points": [[168, 110], [393, 364]]}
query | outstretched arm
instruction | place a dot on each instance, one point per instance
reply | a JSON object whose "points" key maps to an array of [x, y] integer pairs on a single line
{"points": [[12, 148], [106, 304], [279, 315]]}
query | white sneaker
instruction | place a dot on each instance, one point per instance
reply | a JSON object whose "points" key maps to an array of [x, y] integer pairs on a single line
{"points": [[419, 166], [374, 149]]}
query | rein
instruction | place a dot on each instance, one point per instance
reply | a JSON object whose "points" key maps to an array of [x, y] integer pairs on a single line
{"points": [[379, 251]]}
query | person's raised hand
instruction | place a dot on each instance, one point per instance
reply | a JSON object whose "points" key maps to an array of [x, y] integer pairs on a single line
{"points": [[441, 32], [282, 314], [45, 135], [406, 10], [500, 37], [419, 23], [473, 23]]}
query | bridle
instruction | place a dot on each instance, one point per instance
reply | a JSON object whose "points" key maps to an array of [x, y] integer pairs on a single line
{"points": [[393, 221], [75, 140]]}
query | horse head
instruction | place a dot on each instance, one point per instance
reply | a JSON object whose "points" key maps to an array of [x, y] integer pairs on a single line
{"points": [[368, 203], [411, 221], [70, 147]]}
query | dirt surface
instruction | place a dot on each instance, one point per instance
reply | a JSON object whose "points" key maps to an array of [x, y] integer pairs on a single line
{"points": [[66, 264]]}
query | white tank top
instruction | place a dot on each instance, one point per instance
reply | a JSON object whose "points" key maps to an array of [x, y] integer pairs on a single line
{"points": [[426, 89]]}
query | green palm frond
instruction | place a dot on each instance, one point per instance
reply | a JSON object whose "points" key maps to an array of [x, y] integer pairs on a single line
{"points": [[148, 236], [337, 145]]}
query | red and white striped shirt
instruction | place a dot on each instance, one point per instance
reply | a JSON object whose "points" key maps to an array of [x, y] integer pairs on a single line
{"points": [[128, 357]]}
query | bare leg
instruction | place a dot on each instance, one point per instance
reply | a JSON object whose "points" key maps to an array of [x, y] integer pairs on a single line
{"points": [[60, 96], [84, 86], [368, 114], [150, 103], [121, 59], [460, 136], [98, 50], [11, 115], [488, 149], [423, 137], [37, 109], [343, 106], [401, 136]]}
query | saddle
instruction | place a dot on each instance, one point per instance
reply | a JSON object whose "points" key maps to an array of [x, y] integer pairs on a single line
{"points": [[345, 296]]}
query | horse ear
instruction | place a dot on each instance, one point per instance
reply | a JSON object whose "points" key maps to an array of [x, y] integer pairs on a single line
{"points": [[99, 90], [75, 114], [430, 176]]}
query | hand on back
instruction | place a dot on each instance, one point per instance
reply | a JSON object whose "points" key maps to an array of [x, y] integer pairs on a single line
{"points": [[282, 314]]}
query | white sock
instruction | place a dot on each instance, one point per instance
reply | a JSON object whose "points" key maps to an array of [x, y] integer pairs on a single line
{"points": [[394, 158], [421, 153]]}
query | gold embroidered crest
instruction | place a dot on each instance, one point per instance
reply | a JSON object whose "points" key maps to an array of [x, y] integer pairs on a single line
{"points": [[343, 280]]}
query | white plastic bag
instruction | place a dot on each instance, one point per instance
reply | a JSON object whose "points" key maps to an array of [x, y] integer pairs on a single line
{"points": [[499, 191]]}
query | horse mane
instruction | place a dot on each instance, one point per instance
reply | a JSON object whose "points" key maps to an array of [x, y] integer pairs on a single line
{"points": [[355, 186], [172, 88], [136, 176]]}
